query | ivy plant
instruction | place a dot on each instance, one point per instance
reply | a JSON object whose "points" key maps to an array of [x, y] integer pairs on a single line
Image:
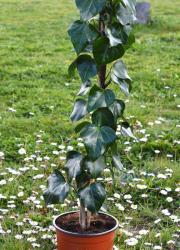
{"points": [[100, 38]]}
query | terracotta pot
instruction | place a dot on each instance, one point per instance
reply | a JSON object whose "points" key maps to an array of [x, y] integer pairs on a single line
{"points": [[74, 241]]}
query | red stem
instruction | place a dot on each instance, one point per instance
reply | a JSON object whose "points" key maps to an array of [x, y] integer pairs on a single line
{"points": [[102, 69]]}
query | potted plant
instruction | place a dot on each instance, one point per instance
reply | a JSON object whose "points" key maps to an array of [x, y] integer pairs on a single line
{"points": [[100, 38]]}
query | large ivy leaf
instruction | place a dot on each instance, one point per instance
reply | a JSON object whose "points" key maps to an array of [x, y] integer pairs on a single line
{"points": [[96, 167], [99, 98], [83, 179], [90, 8], [84, 88], [126, 13], [131, 40], [119, 70], [57, 189], [96, 139], [131, 4], [118, 34], [73, 164], [79, 110], [85, 65], [116, 159], [104, 117], [72, 67], [120, 76], [126, 130], [81, 125], [125, 87], [104, 53], [117, 108], [82, 33], [92, 196]]}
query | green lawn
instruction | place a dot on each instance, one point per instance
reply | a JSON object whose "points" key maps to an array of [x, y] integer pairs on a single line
{"points": [[36, 99]]}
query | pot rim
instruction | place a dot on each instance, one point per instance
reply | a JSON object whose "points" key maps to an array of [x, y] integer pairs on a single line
{"points": [[85, 234]]}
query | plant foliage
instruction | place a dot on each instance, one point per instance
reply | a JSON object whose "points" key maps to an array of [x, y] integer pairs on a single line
{"points": [[100, 37]]}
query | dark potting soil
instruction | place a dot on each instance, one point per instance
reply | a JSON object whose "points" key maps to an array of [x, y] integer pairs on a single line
{"points": [[99, 223]]}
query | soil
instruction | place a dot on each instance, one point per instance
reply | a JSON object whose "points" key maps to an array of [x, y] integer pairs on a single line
{"points": [[99, 223]]}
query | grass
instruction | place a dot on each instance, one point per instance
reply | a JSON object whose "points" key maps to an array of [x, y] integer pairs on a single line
{"points": [[35, 52]]}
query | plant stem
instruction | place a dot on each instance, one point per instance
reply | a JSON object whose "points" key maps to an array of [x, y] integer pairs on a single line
{"points": [[88, 219], [82, 217], [102, 69]]}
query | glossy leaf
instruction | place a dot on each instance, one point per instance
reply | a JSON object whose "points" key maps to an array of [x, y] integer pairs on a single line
{"points": [[104, 53], [120, 71], [73, 164], [80, 126], [92, 196], [125, 87], [117, 108], [126, 130], [131, 4], [83, 179], [131, 40], [126, 13], [71, 69], [99, 98], [116, 159], [96, 139], [96, 167], [118, 34], [104, 117], [120, 76], [90, 8], [86, 67], [84, 88], [79, 110], [82, 33], [57, 189]]}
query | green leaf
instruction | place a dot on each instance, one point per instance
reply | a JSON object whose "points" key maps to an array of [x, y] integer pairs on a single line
{"points": [[90, 8], [92, 197], [85, 65], [96, 167], [116, 159], [84, 88], [126, 130], [71, 69], [125, 87], [82, 33], [80, 126], [119, 70], [57, 189], [126, 13], [131, 4], [117, 108], [99, 98], [104, 117], [83, 179], [79, 110], [73, 164], [118, 34], [96, 139], [104, 53], [131, 40]]}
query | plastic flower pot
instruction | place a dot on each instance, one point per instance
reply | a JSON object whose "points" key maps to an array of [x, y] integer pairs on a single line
{"points": [[67, 240]]}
